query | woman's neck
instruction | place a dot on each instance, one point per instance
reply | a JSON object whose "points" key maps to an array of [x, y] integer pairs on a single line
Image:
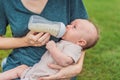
{"points": [[35, 6]]}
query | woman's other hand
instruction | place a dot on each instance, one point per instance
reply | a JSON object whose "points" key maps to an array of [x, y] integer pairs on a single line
{"points": [[66, 72]]}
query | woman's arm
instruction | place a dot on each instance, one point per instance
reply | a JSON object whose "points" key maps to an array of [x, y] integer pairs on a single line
{"points": [[30, 39], [9, 43], [66, 72]]}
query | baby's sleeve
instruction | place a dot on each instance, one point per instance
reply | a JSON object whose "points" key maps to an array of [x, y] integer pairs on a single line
{"points": [[3, 19], [72, 51]]}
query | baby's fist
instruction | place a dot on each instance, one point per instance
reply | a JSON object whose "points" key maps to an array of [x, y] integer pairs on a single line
{"points": [[50, 45]]}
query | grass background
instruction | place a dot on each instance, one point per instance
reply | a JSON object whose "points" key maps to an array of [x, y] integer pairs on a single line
{"points": [[103, 61]]}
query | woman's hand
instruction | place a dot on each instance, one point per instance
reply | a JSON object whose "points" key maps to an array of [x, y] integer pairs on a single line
{"points": [[31, 39], [65, 72], [37, 39]]}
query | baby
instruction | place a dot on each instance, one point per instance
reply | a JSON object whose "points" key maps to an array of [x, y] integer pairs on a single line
{"points": [[79, 36]]}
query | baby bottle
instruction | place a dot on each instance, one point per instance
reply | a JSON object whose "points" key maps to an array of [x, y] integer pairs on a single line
{"points": [[40, 24]]}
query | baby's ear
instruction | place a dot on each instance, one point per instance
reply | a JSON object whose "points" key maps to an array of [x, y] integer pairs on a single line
{"points": [[82, 42]]}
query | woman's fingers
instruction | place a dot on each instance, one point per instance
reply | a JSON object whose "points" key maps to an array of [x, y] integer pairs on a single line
{"points": [[44, 38], [58, 76], [52, 77], [37, 36], [37, 39], [33, 39], [54, 66]]}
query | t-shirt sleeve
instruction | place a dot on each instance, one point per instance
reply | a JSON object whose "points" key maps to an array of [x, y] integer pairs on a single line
{"points": [[3, 19], [77, 10], [72, 51]]}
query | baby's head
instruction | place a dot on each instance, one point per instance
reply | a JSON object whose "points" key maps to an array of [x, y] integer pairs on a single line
{"points": [[82, 32]]}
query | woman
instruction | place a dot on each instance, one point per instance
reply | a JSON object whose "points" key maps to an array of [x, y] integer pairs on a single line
{"points": [[28, 46]]}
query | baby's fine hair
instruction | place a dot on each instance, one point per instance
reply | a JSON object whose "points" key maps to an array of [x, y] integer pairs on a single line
{"points": [[93, 42]]}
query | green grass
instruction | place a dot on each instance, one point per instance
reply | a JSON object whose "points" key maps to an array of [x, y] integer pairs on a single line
{"points": [[103, 61], [5, 53]]}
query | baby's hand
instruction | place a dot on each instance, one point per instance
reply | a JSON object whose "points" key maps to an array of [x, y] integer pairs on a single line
{"points": [[51, 45]]}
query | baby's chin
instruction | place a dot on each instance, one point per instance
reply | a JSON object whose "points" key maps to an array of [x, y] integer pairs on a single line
{"points": [[63, 37]]}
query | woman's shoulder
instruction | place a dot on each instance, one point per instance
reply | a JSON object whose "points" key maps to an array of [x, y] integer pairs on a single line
{"points": [[6, 3], [9, 5], [2, 4]]}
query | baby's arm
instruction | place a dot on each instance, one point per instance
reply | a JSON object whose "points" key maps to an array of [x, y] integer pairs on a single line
{"points": [[58, 56], [13, 73]]}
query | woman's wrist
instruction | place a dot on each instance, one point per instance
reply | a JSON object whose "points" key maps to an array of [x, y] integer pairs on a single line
{"points": [[24, 42], [19, 42], [79, 65], [78, 69]]}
